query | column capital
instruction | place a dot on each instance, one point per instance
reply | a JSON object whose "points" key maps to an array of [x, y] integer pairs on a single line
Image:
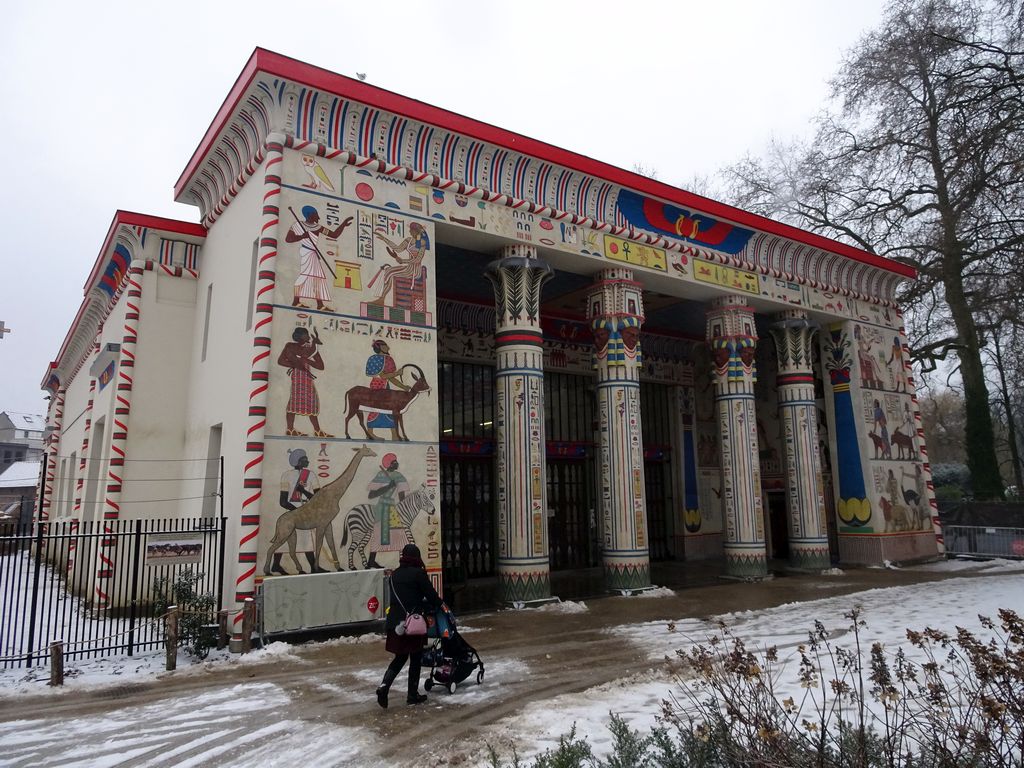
{"points": [[517, 280], [615, 308], [793, 333], [517, 251], [732, 337]]}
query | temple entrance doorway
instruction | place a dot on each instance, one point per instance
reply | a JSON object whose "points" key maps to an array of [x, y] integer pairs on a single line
{"points": [[572, 517], [656, 424]]}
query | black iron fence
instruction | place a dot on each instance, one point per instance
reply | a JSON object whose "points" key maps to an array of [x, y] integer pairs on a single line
{"points": [[93, 585]]}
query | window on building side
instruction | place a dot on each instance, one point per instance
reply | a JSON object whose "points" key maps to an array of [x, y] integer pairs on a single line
{"points": [[206, 322]]}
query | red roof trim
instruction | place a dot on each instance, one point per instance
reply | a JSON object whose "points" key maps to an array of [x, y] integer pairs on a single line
{"points": [[276, 65], [131, 219]]}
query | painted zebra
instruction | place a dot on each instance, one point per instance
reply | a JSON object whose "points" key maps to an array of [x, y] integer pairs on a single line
{"points": [[359, 521]]}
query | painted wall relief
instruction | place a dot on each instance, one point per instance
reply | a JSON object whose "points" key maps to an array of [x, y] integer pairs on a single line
{"points": [[412, 200], [351, 421], [351, 508], [898, 501]]}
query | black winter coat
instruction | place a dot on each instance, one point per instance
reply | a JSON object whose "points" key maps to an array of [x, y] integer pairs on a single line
{"points": [[412, 587]]}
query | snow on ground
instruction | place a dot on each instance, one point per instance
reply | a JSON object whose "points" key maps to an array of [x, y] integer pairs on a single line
{"points": [[888, 612], [221, 718], [562, 606], [219, 723]]}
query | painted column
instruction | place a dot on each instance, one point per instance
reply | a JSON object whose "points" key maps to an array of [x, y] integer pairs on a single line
{"points": [[523, 563], [119, 434], [854, 509], [732, 335], [82, 468], [685, 459], [616, 313], [259, 375], [808, 534], [52, 453]]}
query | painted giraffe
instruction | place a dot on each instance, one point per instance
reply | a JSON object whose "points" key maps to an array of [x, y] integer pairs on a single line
{"points": [[317, 514]]}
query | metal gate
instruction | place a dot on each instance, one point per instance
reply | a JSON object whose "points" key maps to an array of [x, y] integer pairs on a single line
{"points": [[571, 515], [656, 418], [467, 517], [658, 490], [48, 578]]}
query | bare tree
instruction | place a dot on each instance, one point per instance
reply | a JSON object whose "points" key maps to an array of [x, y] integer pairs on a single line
{"points": [[920, 160]]}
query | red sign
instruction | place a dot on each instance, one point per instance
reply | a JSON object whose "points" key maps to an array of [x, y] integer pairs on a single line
{"points": [[1018, 547], [372, 605]]}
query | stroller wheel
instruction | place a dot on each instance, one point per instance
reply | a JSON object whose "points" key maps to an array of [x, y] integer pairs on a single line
{"points": [[451, 687], [479, 677], [428, 685]]}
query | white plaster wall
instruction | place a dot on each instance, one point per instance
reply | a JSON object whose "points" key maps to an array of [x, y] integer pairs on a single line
{"points": [[159, 393], [218, 388], [76, 397]]}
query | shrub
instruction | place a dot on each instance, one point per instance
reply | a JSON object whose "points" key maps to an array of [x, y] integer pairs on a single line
{"points": [[196, 610], [961, 707]]}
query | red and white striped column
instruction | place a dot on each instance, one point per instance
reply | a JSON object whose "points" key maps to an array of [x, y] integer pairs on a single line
{"points": [[252, 480], [52, 453], [119, 435], [925, 486], [82, 463]]}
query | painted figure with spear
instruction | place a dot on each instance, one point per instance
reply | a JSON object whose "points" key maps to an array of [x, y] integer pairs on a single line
{"points": [[311, 282]]}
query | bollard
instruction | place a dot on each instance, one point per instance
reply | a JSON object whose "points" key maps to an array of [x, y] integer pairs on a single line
{"points": [[222, 630], [248, 619], [171, 638], [57, 663]]}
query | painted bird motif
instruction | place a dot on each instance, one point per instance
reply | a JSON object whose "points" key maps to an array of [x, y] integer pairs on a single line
{"points": [[317, 176]]}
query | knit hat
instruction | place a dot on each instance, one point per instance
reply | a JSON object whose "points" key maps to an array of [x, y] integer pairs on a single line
{"points": [[411, 550]]}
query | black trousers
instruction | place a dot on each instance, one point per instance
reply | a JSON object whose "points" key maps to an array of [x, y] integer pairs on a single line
{"points": [[415, 662]]}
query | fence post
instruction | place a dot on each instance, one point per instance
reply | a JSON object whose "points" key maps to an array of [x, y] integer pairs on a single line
{"points": [[137, 566], [222, 630], [35, 585], [248, 616], [57, 662], [171, 638]]}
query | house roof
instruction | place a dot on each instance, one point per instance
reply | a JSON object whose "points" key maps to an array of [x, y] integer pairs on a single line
{"points": [[33, 422], [20, 474], [264, 62]]}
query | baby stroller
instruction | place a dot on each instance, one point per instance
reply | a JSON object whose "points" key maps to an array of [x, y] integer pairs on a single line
{"points": [[451, 659]]}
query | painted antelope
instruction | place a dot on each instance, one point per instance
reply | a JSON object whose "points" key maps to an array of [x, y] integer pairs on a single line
{"points": [[359, 522], [394, 402]]}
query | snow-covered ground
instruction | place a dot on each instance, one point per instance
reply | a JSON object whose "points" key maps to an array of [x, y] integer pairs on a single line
{"points": [[136, 734]]}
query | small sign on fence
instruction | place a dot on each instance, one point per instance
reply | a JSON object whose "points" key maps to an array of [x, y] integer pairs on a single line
{"points": [[174, 548]]}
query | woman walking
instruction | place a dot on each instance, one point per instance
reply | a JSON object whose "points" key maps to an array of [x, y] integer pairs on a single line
{"points": [[411, 591]]}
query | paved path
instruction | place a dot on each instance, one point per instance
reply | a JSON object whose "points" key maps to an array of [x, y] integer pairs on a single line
{"points": [[317, 704]]}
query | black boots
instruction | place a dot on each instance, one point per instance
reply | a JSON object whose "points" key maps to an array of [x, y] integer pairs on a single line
{"points": [[415, 662], [414, 697], [385, 686]]}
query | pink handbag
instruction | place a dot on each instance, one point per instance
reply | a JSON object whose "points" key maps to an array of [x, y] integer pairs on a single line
{"points": [[413, 624]]}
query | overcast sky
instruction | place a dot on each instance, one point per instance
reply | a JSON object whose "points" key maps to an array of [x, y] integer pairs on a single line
{"points": [[104, 103]]}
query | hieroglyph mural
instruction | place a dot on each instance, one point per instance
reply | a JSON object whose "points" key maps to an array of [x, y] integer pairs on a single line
{"points": [[874, 424], [351, 433]]}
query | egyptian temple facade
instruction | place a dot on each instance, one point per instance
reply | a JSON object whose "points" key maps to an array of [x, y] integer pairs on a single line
{"points": [[398, 324]]}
